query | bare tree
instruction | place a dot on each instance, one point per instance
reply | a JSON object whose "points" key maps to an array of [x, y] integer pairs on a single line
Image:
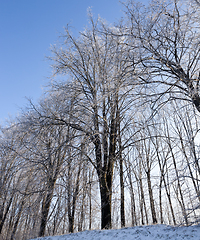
{"points": [[95, 63], [165, 39], [10, 172], [46, 147]]}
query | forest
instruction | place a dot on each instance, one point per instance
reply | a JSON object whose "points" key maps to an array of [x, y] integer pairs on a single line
{"points": [[115, 139]]}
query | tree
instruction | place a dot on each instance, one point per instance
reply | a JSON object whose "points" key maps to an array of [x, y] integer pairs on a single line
{"points": [[165, 40], [10, 172], [95, 67], [46, 147]]}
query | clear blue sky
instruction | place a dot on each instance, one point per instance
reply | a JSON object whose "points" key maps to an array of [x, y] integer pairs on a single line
{"points": [[27, 29]]}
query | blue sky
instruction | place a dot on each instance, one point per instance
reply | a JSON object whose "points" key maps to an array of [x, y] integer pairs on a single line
{"points": [[27, 29]]}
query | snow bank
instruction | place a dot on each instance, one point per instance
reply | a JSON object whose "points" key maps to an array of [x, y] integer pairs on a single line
{"points": [[154, 232]]}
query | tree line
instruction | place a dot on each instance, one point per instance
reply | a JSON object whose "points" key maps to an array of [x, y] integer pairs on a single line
{"points": [[114, 141]]}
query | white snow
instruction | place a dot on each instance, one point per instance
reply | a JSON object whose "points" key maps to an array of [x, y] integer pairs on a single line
{"points": [[153, 232]]}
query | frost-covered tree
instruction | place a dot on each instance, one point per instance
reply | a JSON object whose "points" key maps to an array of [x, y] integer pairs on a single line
{"points": [[165, 39], [95, 70]]}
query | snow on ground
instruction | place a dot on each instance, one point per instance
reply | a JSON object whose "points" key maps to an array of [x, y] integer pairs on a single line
{"points": [[154, 232]]}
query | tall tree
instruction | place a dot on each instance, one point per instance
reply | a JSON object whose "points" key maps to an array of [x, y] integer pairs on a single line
{"points": [[95, 67]]}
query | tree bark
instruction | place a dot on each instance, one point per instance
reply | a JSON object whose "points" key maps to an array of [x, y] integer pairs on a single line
{"points": [[45, 207], [133, 208], [106, 196], [160, 200], [153, 211], [18, 218], [72, 209], [3, 216], [122, 193]]}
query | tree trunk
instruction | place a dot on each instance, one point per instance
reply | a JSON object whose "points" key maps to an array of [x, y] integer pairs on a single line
{"points": [[162, 179], [122, 193], [169, 199], [182, 203], [82, 212], [133, 208], [71, 223], [90, 201], [45, 207], [122, 206], [3, 216], [17, 220], [72, 209], [153, 211], [106, 196], [160, 200], [142, 202]]}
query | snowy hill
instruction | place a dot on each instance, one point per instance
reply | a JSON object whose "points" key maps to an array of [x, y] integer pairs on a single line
{"points": [[153, 232]]}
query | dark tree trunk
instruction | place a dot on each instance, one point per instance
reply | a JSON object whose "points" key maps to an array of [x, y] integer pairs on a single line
{"points": [[118, 129], [122, 207], [71, 223], [82, 211], [45, 208], [105, 206], [105, 187], [152, 205], [72, 209], [142, 203], [90, 201], [160, 201], [133, 207], [122, 193]]}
